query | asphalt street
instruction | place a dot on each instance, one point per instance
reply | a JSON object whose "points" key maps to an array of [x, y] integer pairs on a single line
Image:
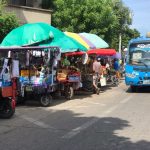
{"points": [[114, 120]]}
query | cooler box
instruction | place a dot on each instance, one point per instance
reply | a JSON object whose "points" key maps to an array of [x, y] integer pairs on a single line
{"points": [[74, 78], [6, 91]]}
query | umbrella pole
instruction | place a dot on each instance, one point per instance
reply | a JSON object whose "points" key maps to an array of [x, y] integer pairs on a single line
{"points": [[29, 68]]}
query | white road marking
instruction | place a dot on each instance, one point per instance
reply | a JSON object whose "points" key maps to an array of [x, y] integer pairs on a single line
{"points": [[79, 129], [81, 106], [126, 99], [84, 126], [36, 122], [111, 110]]}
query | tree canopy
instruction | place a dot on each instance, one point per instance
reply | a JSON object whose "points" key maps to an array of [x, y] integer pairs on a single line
{"points": [[8, 21], [106, 18]]}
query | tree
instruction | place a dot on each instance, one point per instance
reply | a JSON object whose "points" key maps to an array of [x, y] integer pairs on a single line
{"points": [[93, 16], [129, 34], [106, 18], [8, 21], [122, 24]]}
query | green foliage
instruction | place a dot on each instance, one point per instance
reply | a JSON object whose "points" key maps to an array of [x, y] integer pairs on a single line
{"points": [[132, 33], [106, 18], [8, 21], [122, 24], [94, 16]]}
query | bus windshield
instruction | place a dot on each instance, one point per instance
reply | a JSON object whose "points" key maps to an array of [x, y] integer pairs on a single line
{"points": [[139, 54]]}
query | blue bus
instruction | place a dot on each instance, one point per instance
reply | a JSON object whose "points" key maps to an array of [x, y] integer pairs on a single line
{"points": [[137, 69]]}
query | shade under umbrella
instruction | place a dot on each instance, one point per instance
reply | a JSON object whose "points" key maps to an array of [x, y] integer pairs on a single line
{"points": [[95, 40], [31, 33]]}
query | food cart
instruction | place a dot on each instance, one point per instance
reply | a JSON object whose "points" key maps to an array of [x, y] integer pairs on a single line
{"points": [[83, 62], [103, 54], [69, 79], [86, 67], [9, 73], [38, 73]]}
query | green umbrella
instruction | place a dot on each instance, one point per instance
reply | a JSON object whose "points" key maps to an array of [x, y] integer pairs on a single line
{"points": [[66, 44], [31, 33]]}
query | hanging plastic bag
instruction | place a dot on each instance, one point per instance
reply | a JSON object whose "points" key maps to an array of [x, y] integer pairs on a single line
{"points": [[84, 58], [15, 68], [6, 75]]}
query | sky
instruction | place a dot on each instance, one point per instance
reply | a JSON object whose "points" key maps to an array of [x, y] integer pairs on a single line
{"points": [[141, 14]]}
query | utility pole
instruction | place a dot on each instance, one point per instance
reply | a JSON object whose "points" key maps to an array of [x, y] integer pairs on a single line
{"points": [[120, 42]]}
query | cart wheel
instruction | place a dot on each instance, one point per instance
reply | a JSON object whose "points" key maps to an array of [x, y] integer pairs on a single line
{"points": [[6, 109], [69, 92], [88, 86], [115, 81], [46, 100]]}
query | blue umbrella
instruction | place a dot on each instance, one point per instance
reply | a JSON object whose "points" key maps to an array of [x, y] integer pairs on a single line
{"points": [[95, 40], [117, 55]]}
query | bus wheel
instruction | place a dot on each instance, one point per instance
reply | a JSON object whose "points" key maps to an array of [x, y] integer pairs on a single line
{"points": [[133, 88]]}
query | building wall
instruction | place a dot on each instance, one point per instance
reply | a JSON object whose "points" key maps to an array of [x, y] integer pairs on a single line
{"points": [[30, 14]]}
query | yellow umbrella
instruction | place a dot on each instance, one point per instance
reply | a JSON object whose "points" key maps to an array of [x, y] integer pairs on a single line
{"points": [[77, 38]]}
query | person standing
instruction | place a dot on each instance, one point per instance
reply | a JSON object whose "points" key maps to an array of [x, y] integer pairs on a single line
{"points": [[96, 74], [117, 68]]}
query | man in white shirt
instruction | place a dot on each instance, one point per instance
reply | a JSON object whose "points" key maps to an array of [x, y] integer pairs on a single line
{"points": [[96, 74], [96, 66]]}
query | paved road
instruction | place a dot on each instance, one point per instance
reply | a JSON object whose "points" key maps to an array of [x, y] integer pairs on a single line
{"points": [[114, 120]]}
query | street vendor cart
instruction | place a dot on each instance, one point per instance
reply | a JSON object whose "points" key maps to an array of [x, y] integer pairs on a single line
{"points": [[37, 73], [9, 73], [79, 60], [69, 81], [86, 67], [103, 55]]}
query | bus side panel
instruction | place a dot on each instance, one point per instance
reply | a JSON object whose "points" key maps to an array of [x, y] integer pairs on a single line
{"points": [[136, 78], [130, 78]]}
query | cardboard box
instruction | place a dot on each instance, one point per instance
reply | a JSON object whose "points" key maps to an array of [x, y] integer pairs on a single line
{"points": [[25, 73]]}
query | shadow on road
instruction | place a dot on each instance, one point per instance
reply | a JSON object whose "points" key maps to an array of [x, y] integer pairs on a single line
{"points": [[79, 94], [89, 133], [61, 99], [57, 99], [103, 136]]}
